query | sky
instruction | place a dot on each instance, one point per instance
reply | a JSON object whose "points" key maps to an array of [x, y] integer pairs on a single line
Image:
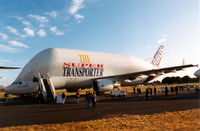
{"points": [[132, 27]]}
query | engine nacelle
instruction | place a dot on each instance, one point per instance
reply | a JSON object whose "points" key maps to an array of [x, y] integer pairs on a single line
{"points": [[103, 85]]}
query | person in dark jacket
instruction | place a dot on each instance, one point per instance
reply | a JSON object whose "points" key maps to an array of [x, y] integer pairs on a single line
{"points": [[133, 90], [63, 98], [93, 99], [88, 99], [147, 94], [166, 91], [151, 91], [176, 90], [154, 89], [77, 97], [172, 90]]}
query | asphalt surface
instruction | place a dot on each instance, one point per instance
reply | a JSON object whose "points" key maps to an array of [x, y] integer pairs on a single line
{"points": [[29, 114]]}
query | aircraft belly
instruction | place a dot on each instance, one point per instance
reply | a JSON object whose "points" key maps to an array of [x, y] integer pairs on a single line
{"points": [[71, 82], [21, 89]]}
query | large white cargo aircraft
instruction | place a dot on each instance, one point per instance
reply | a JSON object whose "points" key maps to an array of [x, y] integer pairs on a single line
{"points": [[57, 68]]}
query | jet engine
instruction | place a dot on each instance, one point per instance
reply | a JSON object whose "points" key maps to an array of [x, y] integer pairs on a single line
{"points": [[103, 85]]}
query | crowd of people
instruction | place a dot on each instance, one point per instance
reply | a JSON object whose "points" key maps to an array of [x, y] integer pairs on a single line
{"points": [[149, 91], [90, 98], [139, 91]]}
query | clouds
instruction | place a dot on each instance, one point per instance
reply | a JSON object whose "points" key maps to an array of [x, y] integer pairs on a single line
{"points": [[162, 35], [163, 38], [8, 49], [79, 17], [14, 43], [41, 33], [52, 14], [22, 20], [17, 44], [3, 36], [26, 23], [4, 61], [160, 41], [40, 25], [29, 32], [55, 31], [13, 30], [38, 18], [75, 7], [12, 49]]}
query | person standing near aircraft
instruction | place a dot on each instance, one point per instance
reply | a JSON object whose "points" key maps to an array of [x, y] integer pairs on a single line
{"points": [[166, 91], [147, 94], [77, 97], [94, 100], [140, 91], [63, 98], [88, 99], [154, 90], [134, 90], [151, 91], [137, 91], [176, 89], [172, 90]]}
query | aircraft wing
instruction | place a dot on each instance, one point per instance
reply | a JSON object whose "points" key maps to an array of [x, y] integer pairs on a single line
{"points": [[6, 67], [152, 72]]}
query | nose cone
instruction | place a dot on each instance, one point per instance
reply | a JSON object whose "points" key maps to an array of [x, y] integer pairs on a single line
{"points": [[197, 73], [8, 89], [24, 88]]}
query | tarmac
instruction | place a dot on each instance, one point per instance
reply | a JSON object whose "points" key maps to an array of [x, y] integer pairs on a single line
{"points": [[30, 114]]}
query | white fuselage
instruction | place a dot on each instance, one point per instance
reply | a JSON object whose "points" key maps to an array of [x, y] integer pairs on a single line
{"points": [[74, 68]]}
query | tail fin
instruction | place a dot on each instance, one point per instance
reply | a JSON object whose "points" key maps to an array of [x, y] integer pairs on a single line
{"points": [[158, 57]]}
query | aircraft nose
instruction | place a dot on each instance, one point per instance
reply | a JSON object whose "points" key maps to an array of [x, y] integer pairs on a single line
{"points": [[7, 89]]}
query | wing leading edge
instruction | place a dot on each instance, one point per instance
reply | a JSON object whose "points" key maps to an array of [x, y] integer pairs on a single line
{"points": [[153, 72]]}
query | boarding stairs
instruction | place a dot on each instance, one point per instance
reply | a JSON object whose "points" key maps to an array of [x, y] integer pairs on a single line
{"points": [[46, 88]]}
